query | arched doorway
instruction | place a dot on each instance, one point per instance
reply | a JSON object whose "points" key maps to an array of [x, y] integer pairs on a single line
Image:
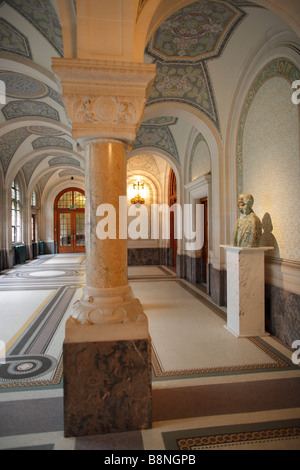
{"points": [[173, 200], [69, 221]]}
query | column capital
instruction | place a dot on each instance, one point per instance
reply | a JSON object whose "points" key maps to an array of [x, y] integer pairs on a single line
{"points": [[104, 99]]}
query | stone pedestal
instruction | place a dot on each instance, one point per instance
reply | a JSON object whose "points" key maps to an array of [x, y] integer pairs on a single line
{"points": [[246, 290], [107, 380], [107, 352]]}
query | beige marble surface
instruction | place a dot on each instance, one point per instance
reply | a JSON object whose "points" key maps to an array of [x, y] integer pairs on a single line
{"points": [[245, 290], [105, 181]]}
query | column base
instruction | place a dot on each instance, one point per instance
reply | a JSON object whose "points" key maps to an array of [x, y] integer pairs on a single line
{"points": [[115, 305], [107, 365], [107, 387]]}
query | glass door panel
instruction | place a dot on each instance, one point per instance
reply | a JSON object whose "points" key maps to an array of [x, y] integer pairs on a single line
{"points": [[65, 230], [80, 229]]}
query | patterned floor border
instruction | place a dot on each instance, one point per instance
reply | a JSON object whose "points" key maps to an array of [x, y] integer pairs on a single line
{"points": [[281, 363], [250, 434], [28, 358]]}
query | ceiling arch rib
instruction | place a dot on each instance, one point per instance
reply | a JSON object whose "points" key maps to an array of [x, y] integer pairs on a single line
{"points": [[23, 141]]}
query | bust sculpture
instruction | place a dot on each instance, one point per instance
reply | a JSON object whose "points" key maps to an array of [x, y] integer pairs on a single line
{"points": [[248, 228]]}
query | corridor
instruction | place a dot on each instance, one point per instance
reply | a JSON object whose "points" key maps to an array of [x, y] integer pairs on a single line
{"points": [[210, 389]]}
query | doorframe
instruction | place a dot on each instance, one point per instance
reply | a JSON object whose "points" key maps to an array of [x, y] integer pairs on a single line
{"points": [[173, 200], [196, 190], [57, 213]]}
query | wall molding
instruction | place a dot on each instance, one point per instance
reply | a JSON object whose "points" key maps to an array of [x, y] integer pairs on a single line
{"points": [[282, 273]]}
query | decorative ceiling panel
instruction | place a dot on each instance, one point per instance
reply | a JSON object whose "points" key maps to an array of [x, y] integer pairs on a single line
{"points": [[13, 41], [58, 161], [44, 180], [22, 86], [43, 130], [186, 84], [143, 161], [16, 109], [42, 14], [64, 173], [30, 167], [196, 32], [47, 141], [183, 44], [155, 133], [9, 143]]}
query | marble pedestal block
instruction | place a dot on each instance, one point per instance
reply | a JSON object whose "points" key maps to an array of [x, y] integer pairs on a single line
{"points": [[107, 383], [246, 290]]}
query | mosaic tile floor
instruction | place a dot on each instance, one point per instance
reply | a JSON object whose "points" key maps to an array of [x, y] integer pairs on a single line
{"points": [[210, 390]]}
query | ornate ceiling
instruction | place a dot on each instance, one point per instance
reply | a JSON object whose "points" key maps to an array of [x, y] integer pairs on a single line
{"points": [[35, 134], [182, 46], [197, 32], [42, 15]]}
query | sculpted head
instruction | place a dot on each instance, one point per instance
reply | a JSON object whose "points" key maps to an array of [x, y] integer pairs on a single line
{"points": [[245, 203]]}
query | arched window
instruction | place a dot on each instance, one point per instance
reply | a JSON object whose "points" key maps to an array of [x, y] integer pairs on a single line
{"points": [[71, 200], [34, 202], [34, 199], [16, 212]]}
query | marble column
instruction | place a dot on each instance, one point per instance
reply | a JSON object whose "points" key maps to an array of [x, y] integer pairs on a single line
{"points": [[107, 348], [246, 290]]}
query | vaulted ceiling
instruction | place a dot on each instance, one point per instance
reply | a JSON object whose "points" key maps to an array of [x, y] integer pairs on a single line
{"points": [[188, 48]]}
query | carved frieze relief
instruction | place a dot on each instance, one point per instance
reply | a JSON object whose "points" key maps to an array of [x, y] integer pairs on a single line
{"points": [[104, 99], [104, 109]]}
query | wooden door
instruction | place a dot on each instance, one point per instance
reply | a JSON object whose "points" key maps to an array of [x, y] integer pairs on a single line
{"points": [[69, 216]]}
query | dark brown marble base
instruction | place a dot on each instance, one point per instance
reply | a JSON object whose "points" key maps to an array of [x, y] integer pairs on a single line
{"points": [[107, 387]]}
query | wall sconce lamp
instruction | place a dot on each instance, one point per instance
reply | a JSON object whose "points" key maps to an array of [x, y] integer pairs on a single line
{"points": [[138, 199]]}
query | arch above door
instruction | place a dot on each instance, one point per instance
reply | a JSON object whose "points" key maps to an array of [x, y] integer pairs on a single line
{"points": [[69, 221]]}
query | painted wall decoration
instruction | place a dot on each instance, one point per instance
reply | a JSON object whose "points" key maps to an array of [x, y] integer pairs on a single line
{"points": [[143, 161], [63, 160], [56, 96], [156, 133], [42, 14], [186, 84], [30, 167], [9, 143], [44, 130], [65, 173], [41, 142], [44, 180], [196, 32], [181, 47], [13, 41], [21, 108], [22, 86]]}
